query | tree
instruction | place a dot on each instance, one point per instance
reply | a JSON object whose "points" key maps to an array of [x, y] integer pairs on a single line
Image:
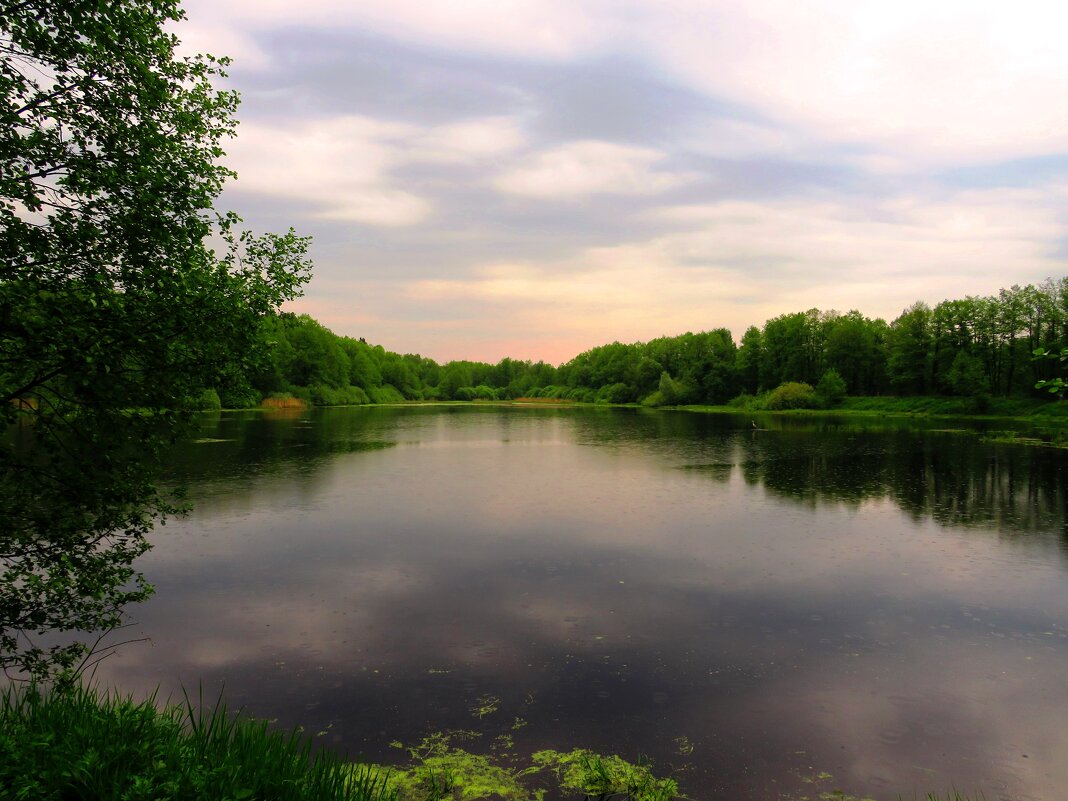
{"points": [[115, 314], [831, 388], [909, 350], [750, 356]]}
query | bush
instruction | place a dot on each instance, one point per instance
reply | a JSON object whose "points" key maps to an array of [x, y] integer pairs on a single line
{"points": [[209, 401], [791, 395], [582, 395], [745, 401], [322, 395], [387, 393], [239, 397], [616, 393]]}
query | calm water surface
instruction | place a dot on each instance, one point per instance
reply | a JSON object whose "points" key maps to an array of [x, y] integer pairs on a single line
{"points": [[885, 605]]}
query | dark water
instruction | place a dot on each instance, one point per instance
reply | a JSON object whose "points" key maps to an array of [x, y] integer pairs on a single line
{"points": [[882, 604]]}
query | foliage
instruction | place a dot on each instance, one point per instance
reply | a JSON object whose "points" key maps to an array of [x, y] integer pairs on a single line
{"points": [[913, 355], [831, 389], [80, 743], [209, 401], [966, 376], [791, 395], [671, 392], [1057, 384], [117, 316]]}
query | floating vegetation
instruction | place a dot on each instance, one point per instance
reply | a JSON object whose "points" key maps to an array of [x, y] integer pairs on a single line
{"points": [[440, 771], [485, 706], [594, 776], [1049, 439], [684, 746]]}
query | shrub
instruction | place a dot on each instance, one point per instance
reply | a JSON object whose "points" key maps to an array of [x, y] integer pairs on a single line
{"points": [[239, 397], [322, 395], [209, 401], [387, 393], [745, 401], [616, 393], [582, 395], [791, 395]]}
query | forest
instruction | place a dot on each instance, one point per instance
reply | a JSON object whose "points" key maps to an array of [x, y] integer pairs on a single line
{"points": [[977, 347]]}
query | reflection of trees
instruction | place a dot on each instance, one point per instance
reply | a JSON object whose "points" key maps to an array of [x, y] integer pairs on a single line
{"points": [[952, 478], [233, 445], [959, 480]]}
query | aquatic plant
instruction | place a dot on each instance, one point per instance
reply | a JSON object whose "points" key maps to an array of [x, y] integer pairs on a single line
{"points": [[440, 770]]}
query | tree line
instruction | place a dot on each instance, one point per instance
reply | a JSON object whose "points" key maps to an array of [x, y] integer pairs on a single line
{"points": [[977, 347]]}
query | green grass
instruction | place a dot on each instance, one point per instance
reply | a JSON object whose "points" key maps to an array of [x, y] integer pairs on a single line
{"points": [[957, 407], [83, 744], [1035, 409]]}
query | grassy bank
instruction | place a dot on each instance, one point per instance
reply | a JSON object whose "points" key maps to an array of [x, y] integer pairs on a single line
{"points": [[81, 743], [86, 744], [1035, 409]]}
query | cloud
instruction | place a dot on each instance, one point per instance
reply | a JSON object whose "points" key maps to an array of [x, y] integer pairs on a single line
{"points": [[543, 29], [467, 140], [340, 165], [344, 166], [736, 264], [924, 84], [909, 85], [581, 169]]}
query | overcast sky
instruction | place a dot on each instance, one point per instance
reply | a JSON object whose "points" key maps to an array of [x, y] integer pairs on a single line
{"points": [[531, 178]]}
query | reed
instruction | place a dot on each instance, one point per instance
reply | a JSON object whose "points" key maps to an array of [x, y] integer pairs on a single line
{"points": [[283, 402]]}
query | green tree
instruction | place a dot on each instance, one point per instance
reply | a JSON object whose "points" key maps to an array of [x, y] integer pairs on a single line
{"points": [[909, 344], [115, 315], [832, 388], [750, 356]]}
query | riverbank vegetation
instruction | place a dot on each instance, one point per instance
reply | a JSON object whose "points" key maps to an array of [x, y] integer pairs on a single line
{"points": [[969, 355], [79, 743], [76, 742]]}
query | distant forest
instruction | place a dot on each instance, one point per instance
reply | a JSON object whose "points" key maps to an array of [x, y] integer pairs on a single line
{"points": [[978, 347]]}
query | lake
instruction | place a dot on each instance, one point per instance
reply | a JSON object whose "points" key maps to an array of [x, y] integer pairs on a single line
{"points": [[753, 609]]}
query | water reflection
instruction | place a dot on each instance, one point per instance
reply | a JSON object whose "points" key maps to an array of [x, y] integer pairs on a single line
{"points": [[882, 604]]}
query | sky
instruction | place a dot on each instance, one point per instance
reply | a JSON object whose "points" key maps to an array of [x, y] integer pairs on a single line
{"points": [[533, 178]]}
